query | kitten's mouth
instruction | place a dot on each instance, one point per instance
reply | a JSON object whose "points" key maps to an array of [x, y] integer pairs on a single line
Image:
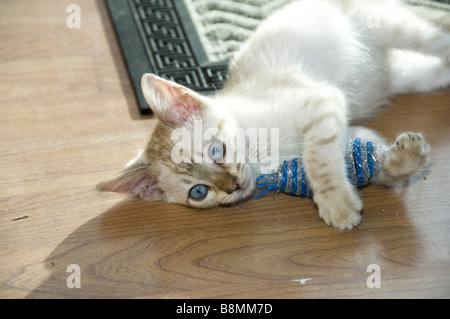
{"points": [[242, 186], [234, 185]]}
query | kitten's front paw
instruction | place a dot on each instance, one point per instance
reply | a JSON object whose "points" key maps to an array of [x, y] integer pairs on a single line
{"points": [[339, 208]]}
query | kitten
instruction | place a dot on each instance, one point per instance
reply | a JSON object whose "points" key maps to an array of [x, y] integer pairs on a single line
{"points": [[311, 71]]}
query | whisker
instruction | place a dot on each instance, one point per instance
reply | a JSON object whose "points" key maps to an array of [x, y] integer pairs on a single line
{"points": [[280, 148]]}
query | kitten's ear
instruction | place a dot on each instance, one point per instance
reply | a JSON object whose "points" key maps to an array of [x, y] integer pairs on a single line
{"points": [[170, 101], [136, 182]]}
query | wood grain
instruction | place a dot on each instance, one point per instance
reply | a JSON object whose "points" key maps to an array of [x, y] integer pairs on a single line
{"points": [[68, 119]]}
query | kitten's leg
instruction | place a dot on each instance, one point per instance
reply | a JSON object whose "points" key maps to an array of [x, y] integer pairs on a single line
{"points": [[323, 157], [413, 72], [398, 27]]}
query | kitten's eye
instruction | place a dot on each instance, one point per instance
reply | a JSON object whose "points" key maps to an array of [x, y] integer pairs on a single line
{"points": [[198, 192], [216, 151]]}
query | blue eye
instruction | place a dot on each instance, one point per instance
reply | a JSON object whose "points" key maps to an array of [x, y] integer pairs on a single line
{"points": [[216, 151], [198, 192]]}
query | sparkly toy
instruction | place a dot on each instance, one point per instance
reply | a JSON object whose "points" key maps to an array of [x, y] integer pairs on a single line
{"points": [[291, 178]]}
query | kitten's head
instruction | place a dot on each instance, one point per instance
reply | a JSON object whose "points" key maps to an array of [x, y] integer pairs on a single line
{"points": [[190, 157]]}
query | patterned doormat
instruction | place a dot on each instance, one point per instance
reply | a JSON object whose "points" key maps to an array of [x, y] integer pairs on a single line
{"points": [[189, 41]]}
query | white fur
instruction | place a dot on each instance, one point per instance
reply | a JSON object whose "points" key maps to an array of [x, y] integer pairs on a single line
{"points": [[326, 60]]}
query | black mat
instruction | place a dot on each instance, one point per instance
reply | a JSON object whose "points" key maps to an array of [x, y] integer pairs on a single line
{"points": [[158, 36]]}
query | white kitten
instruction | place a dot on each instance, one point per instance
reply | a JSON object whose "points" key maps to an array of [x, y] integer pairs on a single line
{"points": [[311, 70]]}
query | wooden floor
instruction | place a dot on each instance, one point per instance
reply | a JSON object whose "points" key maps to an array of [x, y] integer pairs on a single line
{"points": [[68, 119]]}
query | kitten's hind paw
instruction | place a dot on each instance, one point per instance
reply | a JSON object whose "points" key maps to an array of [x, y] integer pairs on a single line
{"points": [[405, 158], [412, 150]]}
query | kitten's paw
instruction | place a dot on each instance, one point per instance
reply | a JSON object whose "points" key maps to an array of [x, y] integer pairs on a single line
{"points": [[410, 142], [340, 209], [407, 155]]}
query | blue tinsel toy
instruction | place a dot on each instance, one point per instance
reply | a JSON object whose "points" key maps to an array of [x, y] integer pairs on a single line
{"points": [[291, 177]]}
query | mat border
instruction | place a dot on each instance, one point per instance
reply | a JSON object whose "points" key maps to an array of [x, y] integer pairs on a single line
{"points": [[181, 56]]}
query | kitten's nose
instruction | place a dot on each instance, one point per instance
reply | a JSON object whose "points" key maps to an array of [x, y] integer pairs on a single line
{"points": [[234, 185]]}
